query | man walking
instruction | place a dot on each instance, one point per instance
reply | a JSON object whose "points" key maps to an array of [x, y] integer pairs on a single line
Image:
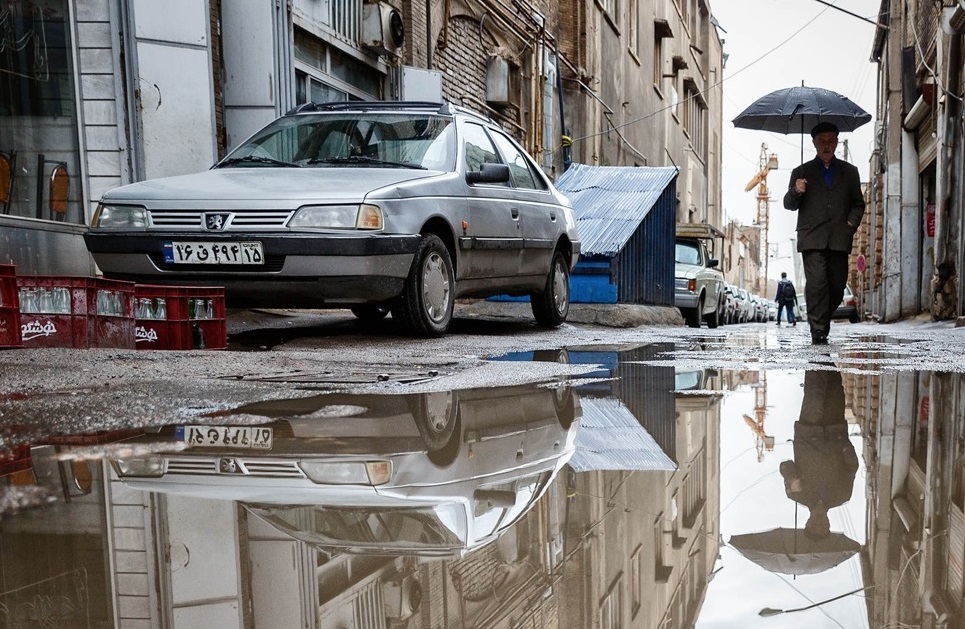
{"points": [[785, 298], [826, 192]]}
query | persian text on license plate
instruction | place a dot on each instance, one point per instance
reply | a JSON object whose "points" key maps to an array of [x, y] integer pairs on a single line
{"points": [[256, 437], [198, 252]]}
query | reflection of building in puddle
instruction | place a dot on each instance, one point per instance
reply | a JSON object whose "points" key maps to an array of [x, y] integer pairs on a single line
{"points": [[644, 542], [913, 427]]}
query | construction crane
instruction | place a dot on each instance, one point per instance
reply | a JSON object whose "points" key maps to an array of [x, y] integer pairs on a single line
{"points": [[763, 441], [767, 163]]}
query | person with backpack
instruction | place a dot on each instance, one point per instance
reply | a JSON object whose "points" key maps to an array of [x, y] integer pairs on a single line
{"points": [[785, 298]]}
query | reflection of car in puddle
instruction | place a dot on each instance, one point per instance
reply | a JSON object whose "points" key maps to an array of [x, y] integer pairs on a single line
{"points": [[697, 389], [428, 474]]}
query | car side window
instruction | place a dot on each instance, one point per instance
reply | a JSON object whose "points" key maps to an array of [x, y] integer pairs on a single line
{"points": [[518, 166], [479, 148]]}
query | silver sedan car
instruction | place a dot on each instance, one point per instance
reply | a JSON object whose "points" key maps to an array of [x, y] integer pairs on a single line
{"points": [[379, 207]]}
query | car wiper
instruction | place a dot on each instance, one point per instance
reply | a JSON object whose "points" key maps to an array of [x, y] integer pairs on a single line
{"points": [[362, 159], [257, 159]]}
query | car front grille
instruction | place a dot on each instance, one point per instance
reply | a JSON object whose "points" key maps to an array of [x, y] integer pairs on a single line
{"points": [[253, 220], [266, 468]]}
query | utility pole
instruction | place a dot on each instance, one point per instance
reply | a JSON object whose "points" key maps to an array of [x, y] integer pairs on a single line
{"points": [[767, 163]]}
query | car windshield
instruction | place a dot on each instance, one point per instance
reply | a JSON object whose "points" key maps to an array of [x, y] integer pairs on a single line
{"points": [[369, 140], [360, 527], [687, 253]]}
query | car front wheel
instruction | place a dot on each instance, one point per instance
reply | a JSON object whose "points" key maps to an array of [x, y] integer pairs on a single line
{"points": [[551, 306], [428, 297]]}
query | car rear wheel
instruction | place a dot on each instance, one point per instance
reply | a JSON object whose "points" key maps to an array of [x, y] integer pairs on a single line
{"points": [[551, 306], [854, 318], [427, 299], [713, 319]]}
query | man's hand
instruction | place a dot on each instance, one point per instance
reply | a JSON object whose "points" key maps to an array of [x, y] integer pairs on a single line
{"points": [[800, 186]]}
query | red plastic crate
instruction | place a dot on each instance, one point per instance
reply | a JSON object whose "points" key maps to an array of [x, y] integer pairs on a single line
{"points": [[82, 324], [181, 329], [9, 308]]}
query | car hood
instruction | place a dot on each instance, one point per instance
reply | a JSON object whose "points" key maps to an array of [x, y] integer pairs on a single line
{"points": [[688, 271], [266, 184]]}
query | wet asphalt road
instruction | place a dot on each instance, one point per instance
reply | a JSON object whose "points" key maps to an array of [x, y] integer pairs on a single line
{"points": [[284, 354]]}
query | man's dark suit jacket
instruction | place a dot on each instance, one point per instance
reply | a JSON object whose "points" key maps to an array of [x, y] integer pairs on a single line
{"points": [[823, 212]]}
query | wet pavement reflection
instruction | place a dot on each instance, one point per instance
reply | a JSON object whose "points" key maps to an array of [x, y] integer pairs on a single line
{"points": [[641, 494]]}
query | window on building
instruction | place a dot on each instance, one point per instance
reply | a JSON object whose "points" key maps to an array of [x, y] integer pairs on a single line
{"points": [[325, 73], [38, 117], [636, 581], [633, 28], [695, 119], [611, 608], [661, 30]]}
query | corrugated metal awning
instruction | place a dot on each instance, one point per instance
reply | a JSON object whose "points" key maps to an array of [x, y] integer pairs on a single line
{"points": [[611, 201], [611, 438]]}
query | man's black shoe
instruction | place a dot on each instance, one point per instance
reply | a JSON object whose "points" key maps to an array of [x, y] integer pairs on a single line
{"points": [[819, 339]]}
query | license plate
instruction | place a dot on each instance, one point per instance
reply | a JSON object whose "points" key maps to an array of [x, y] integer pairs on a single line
{"points": [[196, 252], [255, 437]]}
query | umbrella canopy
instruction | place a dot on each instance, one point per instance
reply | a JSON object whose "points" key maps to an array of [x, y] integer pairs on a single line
{"points": [[798, 109], [790, 551]]}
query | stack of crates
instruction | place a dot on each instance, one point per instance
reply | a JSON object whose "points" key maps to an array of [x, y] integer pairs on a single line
{"points": [[78, 312], [180, 317], [9, 307]]}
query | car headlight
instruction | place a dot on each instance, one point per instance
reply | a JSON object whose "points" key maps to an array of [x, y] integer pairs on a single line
{"points": [[347, 472], [152, 466], [364, 216], [108, 216]]}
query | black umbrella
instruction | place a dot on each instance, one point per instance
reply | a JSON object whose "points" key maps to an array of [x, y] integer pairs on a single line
{"points": [[790, 551], [798, 109]]}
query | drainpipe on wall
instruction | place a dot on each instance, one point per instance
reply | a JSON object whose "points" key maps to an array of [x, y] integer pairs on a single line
{"points": [[891, 220]]}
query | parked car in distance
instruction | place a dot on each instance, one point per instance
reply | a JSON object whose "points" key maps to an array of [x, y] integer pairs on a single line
{"points": [[745, 309], [848, 309], [771, 310], [380, 207], [698, 283], [731, 304]]}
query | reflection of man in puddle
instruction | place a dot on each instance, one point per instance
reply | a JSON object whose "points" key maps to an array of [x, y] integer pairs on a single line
{"points": [[821, 476]]}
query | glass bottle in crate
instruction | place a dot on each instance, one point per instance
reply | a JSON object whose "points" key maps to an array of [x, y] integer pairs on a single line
{"points": [[160, 308], [28, 300]]}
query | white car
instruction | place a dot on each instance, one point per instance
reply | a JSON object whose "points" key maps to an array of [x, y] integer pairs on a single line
{"points": [[698, 283], [429, 474], [373, 206]]}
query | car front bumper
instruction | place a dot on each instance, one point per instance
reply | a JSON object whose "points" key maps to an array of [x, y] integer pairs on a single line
{"points": [[300, 270]]}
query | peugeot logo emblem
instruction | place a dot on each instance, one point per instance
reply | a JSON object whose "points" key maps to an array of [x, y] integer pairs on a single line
{"points": [[229, 466], [215, 222]]}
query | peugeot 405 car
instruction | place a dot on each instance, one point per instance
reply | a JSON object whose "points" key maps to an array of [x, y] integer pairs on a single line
{"points": [[380, 207]]}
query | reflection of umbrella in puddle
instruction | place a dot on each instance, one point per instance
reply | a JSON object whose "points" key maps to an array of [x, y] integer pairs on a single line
{"points": [[790, 551]]}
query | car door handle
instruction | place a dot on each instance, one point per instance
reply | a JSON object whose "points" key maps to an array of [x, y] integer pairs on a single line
{"points": [[515, 213]]}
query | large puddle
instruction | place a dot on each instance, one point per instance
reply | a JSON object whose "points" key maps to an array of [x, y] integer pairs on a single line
{"points": [[639, 495]]}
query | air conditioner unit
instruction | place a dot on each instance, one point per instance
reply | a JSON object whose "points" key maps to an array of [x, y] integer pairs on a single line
{"points": [[401, 597], [382, 28]]}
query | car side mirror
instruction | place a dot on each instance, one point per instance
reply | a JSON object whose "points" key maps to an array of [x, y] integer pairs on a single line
{"points": [[489, 173], [712, 263]]}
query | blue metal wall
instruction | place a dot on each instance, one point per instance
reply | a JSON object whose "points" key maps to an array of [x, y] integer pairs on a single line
{"points": [[643, 270]]}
